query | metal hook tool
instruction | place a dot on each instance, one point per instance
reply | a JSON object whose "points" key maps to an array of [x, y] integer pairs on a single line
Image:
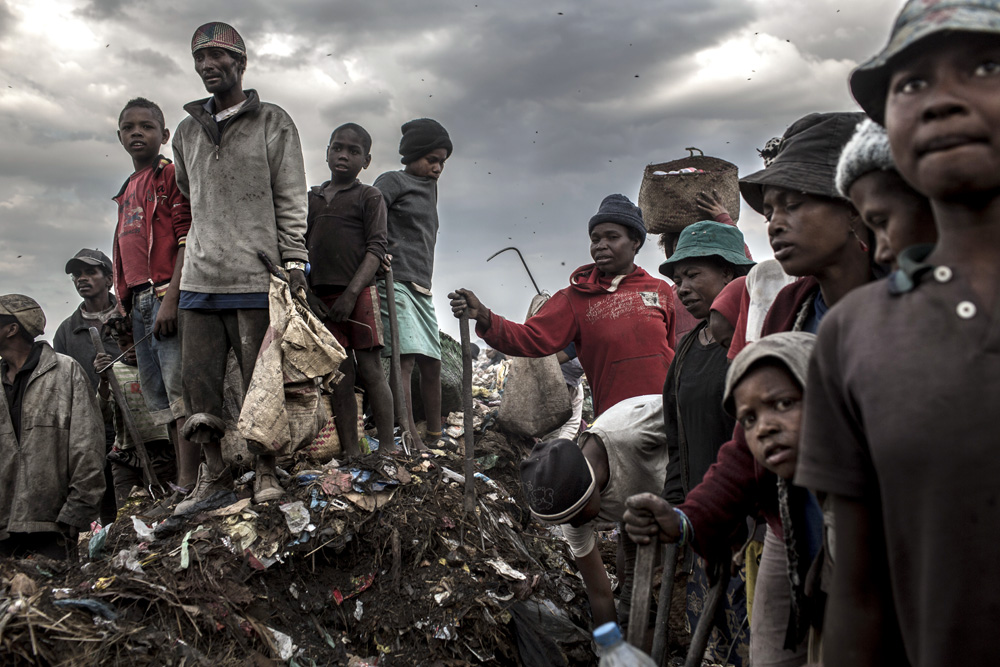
{"points": [[522, 262]]}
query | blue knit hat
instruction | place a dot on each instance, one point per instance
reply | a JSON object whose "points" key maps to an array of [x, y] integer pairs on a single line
{"points": [[620, 210]]}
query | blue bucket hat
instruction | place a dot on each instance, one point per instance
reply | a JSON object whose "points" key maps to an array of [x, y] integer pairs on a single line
{"points": [[708, 239], [918, 20]]}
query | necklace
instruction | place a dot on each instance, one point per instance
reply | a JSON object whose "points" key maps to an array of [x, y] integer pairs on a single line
{"points": [[706, 337]]}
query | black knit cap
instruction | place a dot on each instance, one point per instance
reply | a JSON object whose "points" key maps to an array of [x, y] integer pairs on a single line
{"points": [[420, 137], [806, 158], [557, 480], [620, 210]]}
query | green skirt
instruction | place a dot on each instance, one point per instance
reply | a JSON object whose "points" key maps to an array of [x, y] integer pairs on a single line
{"points": [[416, 321]]}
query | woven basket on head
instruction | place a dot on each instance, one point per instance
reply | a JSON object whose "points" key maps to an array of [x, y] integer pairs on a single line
{"points": [[667, 201]]}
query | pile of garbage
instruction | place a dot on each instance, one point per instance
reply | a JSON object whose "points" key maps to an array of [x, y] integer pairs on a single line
{"points": [[371, 562]]}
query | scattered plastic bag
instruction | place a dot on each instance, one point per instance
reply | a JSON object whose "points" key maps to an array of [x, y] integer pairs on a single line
{"points": [[296, 516], [144, 532]]}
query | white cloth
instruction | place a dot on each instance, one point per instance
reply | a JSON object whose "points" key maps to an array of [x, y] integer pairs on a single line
{"points": [[764, 282], [633, 435]]}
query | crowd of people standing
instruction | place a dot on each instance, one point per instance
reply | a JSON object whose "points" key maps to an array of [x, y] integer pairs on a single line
{"points": [[820, 425]]}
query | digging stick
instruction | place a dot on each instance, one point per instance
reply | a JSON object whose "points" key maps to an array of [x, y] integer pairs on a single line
{"points": [[399, 405], [699, 639], [470, 478], [661, 629], [130, 427], [642, 592]]}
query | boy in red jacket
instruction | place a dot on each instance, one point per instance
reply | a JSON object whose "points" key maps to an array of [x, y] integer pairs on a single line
{"points": [[153, 222]]}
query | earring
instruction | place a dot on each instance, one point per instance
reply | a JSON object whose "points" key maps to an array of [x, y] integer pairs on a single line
{"points": [[861, 244]]}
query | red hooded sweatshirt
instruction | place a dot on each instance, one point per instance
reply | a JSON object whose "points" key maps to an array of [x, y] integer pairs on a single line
{"points": [[623, 327]]}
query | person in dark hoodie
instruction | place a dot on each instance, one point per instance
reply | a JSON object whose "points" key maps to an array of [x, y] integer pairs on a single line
{"points": [[620, 317]]}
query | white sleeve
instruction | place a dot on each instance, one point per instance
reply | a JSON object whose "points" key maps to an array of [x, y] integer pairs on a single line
{"points": [[581, 540]]}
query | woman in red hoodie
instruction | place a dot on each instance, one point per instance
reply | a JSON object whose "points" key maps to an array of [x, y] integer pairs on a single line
{"points": [[620, 317]]}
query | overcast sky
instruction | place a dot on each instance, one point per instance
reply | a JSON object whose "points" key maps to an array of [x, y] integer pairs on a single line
{"points": [[550, 105]]}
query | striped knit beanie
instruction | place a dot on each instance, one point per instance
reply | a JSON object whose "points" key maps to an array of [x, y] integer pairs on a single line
{"points": [[220, 36], [867, 151]]}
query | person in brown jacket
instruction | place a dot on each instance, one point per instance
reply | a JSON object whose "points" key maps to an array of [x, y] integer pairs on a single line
{"points": [[51, 440]]}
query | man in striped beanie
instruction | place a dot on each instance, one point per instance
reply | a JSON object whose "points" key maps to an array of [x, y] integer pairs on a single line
{"points": [[239, 161]]}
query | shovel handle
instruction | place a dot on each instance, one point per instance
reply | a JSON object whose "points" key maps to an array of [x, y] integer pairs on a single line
{"points": [[642, 592], [468, 408]]}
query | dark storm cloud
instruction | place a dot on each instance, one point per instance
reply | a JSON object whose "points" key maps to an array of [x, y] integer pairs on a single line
{"points": [[149, 61], [546, 110]]}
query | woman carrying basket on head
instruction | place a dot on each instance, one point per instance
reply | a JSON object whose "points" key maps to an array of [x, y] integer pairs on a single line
{"points": [[620, 318]]}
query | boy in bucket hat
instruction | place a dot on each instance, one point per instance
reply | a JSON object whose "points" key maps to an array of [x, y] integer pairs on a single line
{"points": [[239, 162], [51, 440], [578, 484], [917, 547]]}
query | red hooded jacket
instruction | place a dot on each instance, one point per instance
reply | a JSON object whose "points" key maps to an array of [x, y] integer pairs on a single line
{"points": [[623, 328], [167, 219]]}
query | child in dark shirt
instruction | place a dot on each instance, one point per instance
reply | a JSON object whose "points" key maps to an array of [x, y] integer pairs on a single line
{"points": [[411, 199], [346, 240], [900, 424]]}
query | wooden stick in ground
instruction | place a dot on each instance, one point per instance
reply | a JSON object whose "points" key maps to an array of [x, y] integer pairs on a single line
{"points": [[642, 592], [130, 426], [661, 629], [470, 477], [399, 405], [699, 639]]}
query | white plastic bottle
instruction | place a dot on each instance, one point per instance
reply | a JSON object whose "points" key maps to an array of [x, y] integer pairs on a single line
{"points": [[615, 652]]}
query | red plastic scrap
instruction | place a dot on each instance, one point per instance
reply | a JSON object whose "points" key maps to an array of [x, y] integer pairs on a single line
{"points": [[361, 584]]}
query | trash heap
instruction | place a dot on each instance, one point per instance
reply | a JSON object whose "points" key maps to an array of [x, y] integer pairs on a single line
{"points": [[372, 562]]}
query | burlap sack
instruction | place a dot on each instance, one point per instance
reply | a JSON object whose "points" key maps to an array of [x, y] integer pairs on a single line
{"points": [[535, 400]]}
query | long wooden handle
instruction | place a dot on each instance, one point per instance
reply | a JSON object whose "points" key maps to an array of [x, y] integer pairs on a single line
{"points": [[399, 404], [661, 630], [642, 591], [699, 638], [130, 425], [468, 408]]}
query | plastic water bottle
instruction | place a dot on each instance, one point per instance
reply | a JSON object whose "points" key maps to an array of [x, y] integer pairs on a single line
{"points": [[615, 652]]}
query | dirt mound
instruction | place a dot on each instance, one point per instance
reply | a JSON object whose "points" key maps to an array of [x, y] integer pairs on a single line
{"points": [[369, 563]]}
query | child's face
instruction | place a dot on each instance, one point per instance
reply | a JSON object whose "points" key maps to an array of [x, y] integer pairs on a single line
{"points": [[721, 329], [124, 340], [347, 156], [897, 214], [141, 134], [430, 165], [698, 283], [769, 408], [220, 70], [943, 116], [807, 233]]}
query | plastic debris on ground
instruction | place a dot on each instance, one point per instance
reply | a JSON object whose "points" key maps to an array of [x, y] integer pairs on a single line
{"points": [[371, 561]]}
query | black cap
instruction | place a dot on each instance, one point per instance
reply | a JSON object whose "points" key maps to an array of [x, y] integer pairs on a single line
{"points": [[806, 158], [90, 258], [557, 480]]}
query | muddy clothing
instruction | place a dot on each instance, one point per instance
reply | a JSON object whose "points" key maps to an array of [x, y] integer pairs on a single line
{"points": [[14, 390], [623, 328], [73, 338], [247, 188], [53, 473], [342, 230], [632, 435], [696, 424], [208, 337], [127, 378], [411, 202], [900, 412], [153, 222]]}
